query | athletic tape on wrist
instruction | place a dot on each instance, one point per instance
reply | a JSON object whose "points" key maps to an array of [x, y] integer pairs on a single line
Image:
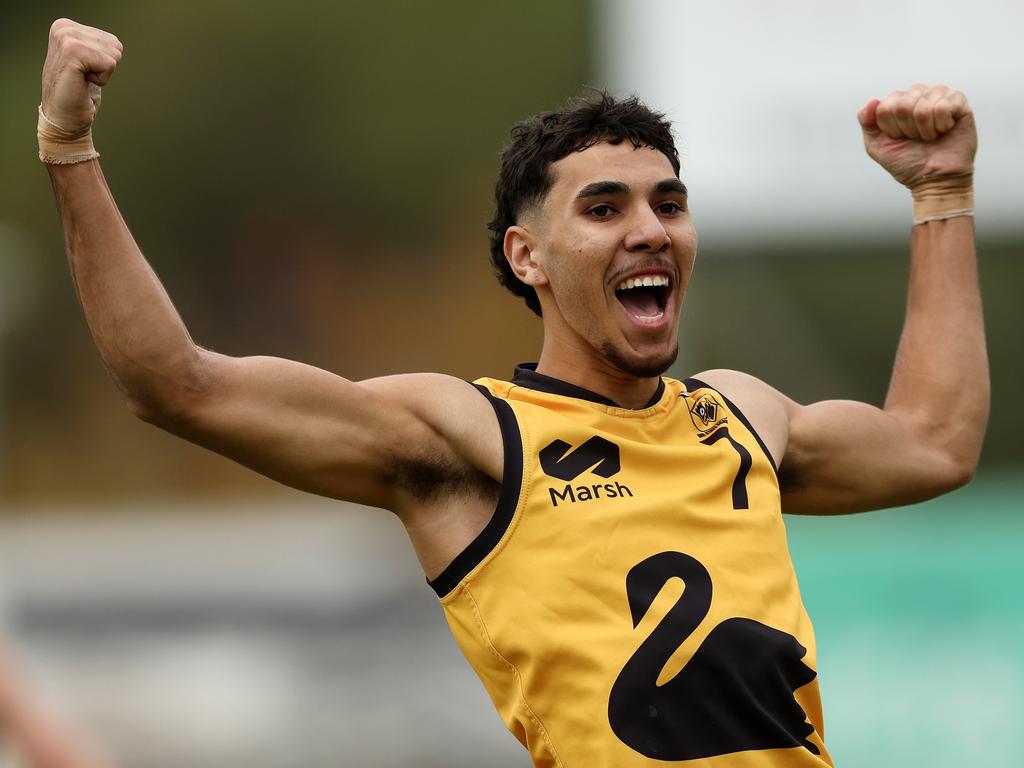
{"points": [[59, 146], [937, 198]]}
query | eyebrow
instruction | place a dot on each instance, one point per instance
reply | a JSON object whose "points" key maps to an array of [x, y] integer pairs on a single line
{"points": [[605, 188], [671, 185]]}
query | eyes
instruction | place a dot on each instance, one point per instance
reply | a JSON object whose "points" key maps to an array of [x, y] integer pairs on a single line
{"points": [[605, 211]]}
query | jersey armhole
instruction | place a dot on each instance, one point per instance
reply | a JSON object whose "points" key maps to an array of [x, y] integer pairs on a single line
{"points": [[698, 384], [508, 500]]}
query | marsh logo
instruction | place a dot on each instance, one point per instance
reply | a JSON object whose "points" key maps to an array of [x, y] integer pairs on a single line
{"points": [[707, 414], [597, 455], [602, 455]]}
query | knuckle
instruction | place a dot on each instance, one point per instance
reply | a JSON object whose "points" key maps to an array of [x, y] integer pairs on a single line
{"points": [[66, 31], [64, 38]]}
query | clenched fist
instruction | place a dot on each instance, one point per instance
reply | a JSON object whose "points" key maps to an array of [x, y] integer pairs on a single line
{"points": [[919, 133], [79, 62]]}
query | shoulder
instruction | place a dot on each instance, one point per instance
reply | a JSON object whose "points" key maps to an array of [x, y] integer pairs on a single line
{"points": [[766, 409]]}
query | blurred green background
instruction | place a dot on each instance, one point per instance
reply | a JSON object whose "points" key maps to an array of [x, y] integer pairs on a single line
{"points": [[313, 181]]}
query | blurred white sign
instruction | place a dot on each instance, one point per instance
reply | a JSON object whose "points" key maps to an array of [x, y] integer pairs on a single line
{"points": [[764, 99]]}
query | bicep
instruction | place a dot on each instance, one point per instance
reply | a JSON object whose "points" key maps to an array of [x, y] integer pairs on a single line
{"points": [[844, 456], [841, 456], [305, 427]]}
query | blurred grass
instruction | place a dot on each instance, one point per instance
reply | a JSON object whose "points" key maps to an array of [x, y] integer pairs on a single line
{"points": [[919, 620]]}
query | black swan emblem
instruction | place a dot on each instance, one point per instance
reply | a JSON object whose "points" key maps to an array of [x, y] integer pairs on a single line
{"points": [[735, 694]]}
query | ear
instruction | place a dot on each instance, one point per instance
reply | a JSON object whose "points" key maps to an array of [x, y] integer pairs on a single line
{"points": [[524, 255]]}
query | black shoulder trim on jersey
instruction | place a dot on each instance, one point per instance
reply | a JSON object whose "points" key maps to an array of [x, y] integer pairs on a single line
{"points": [[698, 384], [508, 500], [526, 376]]}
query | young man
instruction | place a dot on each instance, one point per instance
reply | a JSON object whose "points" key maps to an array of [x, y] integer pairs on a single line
{"points": [[559, 515]]}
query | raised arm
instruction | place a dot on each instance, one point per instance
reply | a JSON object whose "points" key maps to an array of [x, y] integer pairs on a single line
{"points": [[385, 442], [842, 456]]}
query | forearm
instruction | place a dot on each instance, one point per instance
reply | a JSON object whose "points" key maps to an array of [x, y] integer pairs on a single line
{"points": [[137, 330], [940, 380]]}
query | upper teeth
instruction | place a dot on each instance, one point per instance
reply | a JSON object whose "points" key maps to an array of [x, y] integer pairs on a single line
{"points": [[642, 280]]}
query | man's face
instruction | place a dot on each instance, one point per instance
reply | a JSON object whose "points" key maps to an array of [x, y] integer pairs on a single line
{"points": [[615, 215]]}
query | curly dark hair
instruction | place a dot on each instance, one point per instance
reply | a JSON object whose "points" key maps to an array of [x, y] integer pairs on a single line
{"points": [[546, 138]]}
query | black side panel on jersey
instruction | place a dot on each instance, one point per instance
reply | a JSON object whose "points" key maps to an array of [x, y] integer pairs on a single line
{"points": [[511, 485], [698, 384]]}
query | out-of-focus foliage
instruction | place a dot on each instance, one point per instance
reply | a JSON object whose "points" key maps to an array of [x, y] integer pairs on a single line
{"points": [[312, 181], [823, 322]]}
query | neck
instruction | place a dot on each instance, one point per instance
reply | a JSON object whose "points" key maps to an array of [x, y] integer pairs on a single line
{"points": [[597, 375]]}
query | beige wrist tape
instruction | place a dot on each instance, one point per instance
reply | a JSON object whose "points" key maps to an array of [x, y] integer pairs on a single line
{"points": [[58, 146], [943, 197]]}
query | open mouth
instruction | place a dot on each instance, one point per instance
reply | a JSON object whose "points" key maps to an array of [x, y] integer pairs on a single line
{"points": [[644, 297]]}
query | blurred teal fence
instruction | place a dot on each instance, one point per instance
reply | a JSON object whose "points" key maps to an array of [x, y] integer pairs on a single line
{"points": [[919, 615]]}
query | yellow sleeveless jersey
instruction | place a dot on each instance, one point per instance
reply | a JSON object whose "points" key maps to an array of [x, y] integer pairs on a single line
{"points": [[632, 601]]}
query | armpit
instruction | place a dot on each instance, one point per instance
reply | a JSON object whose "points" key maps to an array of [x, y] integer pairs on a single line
{"points": [[792, 476], [429, 478]]}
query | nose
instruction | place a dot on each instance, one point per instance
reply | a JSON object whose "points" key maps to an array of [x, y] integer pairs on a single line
{"points": [[647, 233]]}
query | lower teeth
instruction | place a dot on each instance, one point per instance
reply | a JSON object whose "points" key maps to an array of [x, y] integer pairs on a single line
{"points": [[649, 318]]}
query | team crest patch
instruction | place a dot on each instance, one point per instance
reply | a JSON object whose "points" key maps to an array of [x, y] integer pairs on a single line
{"points": [[707, 414]]}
